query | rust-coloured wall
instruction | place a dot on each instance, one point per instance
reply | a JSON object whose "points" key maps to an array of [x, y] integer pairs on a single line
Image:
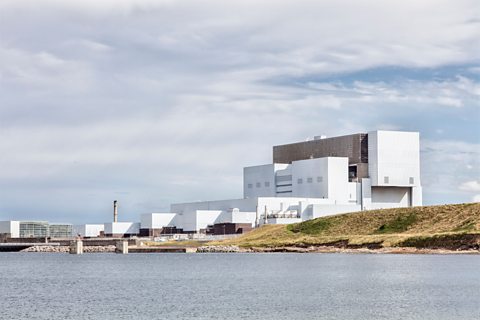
{"points": [[354, 146]]}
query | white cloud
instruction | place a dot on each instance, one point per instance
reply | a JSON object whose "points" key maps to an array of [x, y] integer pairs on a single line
{"points": [[168, 100], [472, 186]]}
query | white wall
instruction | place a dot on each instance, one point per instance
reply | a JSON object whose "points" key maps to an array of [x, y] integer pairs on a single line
{"points": [[207, 217], [338, 179], [259, 181], [281, 221], [11, 227], [197, 215], [122, 227], [394, 158], [243, 217], [354, 192], [200, 219], [321, 178], [157, 220], [366, 189], [417, 196], [310, 178], [390, 197], [88, 230], [241, 204]]}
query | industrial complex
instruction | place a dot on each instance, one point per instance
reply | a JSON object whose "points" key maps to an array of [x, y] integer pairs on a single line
{"points": [[306, 180]]}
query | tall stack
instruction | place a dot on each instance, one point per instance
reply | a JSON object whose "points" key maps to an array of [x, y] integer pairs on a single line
{"points": [[115, 211]]}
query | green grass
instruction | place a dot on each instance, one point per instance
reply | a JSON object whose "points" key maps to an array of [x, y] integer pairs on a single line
{"points": [[429, 225], [398, 225], [310, 227]]}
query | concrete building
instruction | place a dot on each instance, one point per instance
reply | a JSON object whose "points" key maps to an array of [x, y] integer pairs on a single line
{"points": [[60, 230], [88, 230], [323, 176], [35, 229], [155, 224], [121, 229]]}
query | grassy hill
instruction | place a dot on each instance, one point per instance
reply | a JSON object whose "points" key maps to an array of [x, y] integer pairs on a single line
{"points": [[445, 226]]}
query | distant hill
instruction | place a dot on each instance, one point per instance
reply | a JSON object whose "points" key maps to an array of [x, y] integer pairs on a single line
{"points": [[446, 227]]}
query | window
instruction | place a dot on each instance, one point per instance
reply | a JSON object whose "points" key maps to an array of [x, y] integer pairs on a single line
{"points": [[385, 179], [412, 180], [309, 180], [284, 178], [258, 184], [300, 181], [267, 184], [319, 179], [250, 186]]}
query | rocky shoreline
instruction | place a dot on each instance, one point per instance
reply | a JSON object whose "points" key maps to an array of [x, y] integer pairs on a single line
{"points": [[333, 249], [286, 249], [66, 249]]}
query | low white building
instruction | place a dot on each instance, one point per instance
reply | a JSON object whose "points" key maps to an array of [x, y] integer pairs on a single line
{"points": [[121, 229], [10, 228], [314, 178], [88, 230]]}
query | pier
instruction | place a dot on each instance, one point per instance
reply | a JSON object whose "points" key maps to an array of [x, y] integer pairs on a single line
{"points": [[162, 249]]}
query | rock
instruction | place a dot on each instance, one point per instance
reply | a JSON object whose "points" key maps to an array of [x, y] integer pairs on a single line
{"points": [[65, 249], [53, 249], [221, 249]]}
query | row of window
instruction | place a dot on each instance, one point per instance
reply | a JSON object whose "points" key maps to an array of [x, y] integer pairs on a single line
{"points": [[310, 180], [319, 180], [299, 181], [386, 179], [259, 185]]}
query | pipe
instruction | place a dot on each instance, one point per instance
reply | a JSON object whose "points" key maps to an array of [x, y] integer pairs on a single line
{"points": [[115, 211]]}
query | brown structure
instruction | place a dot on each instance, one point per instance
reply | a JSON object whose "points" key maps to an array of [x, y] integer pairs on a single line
{"points": [[354, 147], [229, 228], [144, 232]]}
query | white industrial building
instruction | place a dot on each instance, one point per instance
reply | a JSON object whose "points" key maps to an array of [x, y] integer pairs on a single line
{"points": [[311, 179], [306, 180]]}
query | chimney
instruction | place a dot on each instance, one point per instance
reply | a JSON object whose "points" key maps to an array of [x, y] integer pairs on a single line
{"points": [[115, 211]]}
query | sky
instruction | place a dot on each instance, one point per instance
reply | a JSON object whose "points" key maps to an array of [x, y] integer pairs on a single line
{"points": [[157, 102]]}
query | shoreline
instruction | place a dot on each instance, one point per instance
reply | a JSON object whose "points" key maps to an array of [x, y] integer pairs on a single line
{"points": [[285, 249]]}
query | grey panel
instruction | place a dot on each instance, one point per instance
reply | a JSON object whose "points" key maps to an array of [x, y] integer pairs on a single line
{"points": [[354, 146]]}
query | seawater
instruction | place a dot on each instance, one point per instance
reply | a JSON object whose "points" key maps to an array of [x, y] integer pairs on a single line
{"points": [[239, 286]]}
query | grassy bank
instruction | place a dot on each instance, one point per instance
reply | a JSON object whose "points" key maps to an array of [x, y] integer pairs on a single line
{"points": [[446, 227]]}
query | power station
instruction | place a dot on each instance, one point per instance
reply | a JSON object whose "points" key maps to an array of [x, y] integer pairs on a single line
{"points": [[306, 180]]}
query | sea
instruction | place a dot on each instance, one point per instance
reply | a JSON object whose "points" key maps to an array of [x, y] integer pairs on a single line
{"points": [[239, 286]]}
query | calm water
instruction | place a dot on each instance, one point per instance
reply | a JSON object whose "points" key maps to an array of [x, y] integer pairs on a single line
{"points": [[238, 286]]}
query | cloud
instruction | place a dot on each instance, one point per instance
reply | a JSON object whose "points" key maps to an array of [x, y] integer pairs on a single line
{"points": [[166, 101], [472, 186]]}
